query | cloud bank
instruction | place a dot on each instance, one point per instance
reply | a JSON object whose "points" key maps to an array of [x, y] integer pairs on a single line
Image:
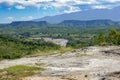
{"points": [[65, 6]]}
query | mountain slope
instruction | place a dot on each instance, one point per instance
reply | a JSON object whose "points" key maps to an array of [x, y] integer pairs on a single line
{"points": [[112, 14], [28, 23], [89, 23], [67, 23]]}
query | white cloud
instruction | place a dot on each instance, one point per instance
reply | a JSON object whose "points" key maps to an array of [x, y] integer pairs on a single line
{"points": [[99, 7], [30, 17], [19, 7], [71, 5], [102, 7], [23, 18], [10, 18], [72, 9], [27, 18], [112, 0], [39, 3]]}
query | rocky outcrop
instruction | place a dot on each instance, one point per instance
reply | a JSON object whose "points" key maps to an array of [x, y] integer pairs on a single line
{"points": [[91, 63], [61, 42]]}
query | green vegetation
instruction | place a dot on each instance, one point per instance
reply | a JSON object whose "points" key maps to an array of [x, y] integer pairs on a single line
{"points": [[19, 71], [112, 38], [20, 41], [77, 36], [16, 42], [11, 48]]}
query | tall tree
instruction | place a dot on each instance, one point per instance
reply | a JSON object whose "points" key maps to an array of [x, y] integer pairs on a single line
{"points": [[113, 36], [101, 39]]}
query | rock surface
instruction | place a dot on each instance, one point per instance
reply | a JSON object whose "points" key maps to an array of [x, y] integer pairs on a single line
{"points": [[91, 63], [61, 42]]}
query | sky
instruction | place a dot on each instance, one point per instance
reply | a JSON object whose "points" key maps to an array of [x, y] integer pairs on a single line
{"points": [[23, 10]]}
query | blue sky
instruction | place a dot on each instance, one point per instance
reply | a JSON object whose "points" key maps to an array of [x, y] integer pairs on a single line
{"points": [[22, 10]]}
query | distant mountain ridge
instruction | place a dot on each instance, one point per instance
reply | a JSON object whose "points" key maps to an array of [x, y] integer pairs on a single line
{"points": [[89, 23], [28, 23], [93, 14], [66, 23]]}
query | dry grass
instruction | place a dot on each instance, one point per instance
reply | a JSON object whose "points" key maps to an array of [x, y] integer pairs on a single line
{"points": [[60, 51], [19, 71]]}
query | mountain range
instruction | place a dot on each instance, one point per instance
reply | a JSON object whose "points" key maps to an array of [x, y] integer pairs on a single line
{"points": [[65, 23], [89, 23], [28, 23], [88, 18], [93, 14]]}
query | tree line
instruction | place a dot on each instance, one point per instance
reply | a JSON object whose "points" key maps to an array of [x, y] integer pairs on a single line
{"points": [[110, 38], [11, 47]]}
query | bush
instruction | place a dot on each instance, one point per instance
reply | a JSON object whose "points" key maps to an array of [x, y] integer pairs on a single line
{"points": [[113, 38], [11, 48]]}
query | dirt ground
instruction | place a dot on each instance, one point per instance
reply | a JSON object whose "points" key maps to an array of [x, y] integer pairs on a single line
{"points": [[91, 63]]}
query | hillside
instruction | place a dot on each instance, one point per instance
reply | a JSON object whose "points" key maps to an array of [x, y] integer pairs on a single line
{"points": [[92, 14], [11, 47], [78, 33], [65, 23], [89, 23], [28, 23]]}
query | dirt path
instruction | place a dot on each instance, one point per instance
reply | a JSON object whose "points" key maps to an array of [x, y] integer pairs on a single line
{"points": [[92, 63]]}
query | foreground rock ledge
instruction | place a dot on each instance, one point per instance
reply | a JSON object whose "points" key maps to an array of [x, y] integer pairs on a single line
{"points": [[91, 63]]}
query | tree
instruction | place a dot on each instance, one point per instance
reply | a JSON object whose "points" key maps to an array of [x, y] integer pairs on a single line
{"points": [[113, 37], [101, 39]]}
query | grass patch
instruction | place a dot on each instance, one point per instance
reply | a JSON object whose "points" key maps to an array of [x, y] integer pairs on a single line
{"points": [[19, 71], [65, 49], [60, 51]]}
